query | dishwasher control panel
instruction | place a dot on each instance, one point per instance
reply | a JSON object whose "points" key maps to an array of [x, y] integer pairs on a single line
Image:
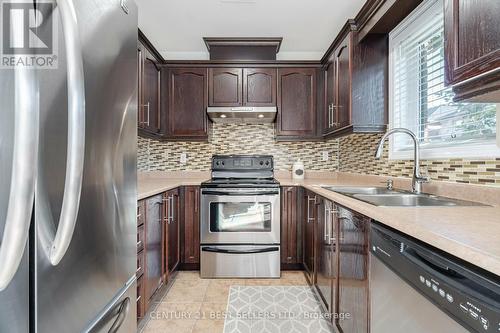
{"points": [[473, 301]]}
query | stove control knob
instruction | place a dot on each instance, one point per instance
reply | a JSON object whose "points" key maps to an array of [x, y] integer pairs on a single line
{"points": [[261, 162], [267, 162]]}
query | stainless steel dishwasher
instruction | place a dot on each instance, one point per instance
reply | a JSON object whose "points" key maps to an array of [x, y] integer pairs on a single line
{"points": [[415, 288]]}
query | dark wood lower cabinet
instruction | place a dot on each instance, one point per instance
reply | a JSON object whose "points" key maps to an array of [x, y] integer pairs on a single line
{"points": [[141, 301], [158, 246], [326, 249], [172, 246], [190, 226], [291, 227], [141, 258], [153, 246], [330, 243], [353, 284], [309, 235]]}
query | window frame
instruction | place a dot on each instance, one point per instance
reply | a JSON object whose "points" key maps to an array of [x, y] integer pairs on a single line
{"points": [[486, 149]]}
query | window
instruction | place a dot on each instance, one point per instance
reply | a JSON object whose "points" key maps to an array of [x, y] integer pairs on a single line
{"points": [[419, 100]]}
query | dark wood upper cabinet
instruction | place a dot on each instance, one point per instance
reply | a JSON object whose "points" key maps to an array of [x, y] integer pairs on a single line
{"points": [[225, 87], [190, 235], [342, 109], [259, 86], [187, 103], [148, 96], [242, 87], [291, 232], [296, 117], [330, 85], [355, 83], [151, 91], [472, 48]]}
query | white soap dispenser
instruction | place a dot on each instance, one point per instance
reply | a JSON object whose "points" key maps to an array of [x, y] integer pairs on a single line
{"points": [[298, 170]]}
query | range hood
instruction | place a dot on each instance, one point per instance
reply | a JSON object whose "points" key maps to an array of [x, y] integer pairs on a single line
{"points": [[242, 114]]}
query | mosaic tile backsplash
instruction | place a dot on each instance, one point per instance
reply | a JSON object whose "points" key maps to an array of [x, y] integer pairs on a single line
{"points": [[356, 154], [236, 139], [353, 153]]}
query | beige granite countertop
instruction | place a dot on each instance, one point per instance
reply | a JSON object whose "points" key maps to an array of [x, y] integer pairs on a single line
{"points": [[152, 183], [470, 233]]}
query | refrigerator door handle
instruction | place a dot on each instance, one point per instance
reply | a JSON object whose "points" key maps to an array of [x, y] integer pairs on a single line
{"points": [[122, 314], [22, 184], [76, 133]]}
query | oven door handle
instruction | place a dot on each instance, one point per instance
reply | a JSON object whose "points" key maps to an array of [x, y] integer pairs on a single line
{"points": [[228, 251], [241, 193]]}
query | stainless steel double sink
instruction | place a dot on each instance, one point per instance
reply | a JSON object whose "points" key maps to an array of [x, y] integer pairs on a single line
{"points": [[381, 196]]}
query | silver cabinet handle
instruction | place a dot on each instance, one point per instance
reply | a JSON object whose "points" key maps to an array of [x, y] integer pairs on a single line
{"points": [[171, 207], [22, 184], [309, 199], [76, 134], [147, 113], [330, 115], [334, 116]]}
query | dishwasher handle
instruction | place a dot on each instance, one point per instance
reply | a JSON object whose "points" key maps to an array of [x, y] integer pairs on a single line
{"points": [[425, 260]]}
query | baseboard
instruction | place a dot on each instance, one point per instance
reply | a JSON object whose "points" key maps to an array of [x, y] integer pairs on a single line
{"points": [[292, 267], [189, 267]]}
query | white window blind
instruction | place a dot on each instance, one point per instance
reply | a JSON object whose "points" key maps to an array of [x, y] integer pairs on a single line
{"points": [[419, 100]]}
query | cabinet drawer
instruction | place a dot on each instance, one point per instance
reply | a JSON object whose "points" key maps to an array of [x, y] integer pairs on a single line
{"points": [[141, 300], [141, 236], [141, 212], [140, 264]]}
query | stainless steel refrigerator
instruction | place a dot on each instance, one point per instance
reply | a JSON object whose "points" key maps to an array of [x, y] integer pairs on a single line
{"points": [[68, 194]]}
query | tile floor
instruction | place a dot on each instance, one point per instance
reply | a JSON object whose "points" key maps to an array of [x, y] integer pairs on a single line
{"points": [[195, 305]]}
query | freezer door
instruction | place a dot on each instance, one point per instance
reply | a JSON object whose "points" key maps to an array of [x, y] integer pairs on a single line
{"points": [[74, 285], [120, 315]]}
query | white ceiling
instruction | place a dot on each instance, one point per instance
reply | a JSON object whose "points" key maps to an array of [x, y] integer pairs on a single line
{"points": [[176, 27]]}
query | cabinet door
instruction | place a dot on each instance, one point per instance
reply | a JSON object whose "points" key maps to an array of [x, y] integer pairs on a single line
{"points": [[290, 226], [296, 103], [353, 270], [342, 110], [472, 38], [173, 246], [141, 302], [151, 95], [330, 96], [191, 225], [153, 247], [309, 237], [259, 86], [225, 88], [187, 111], [326, 265]]}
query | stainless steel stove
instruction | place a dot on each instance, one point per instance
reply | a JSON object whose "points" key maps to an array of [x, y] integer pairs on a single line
{"points": [[240, 218]]}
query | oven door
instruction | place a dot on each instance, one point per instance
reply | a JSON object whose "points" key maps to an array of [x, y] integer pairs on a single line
{"points": [[240, 216]]}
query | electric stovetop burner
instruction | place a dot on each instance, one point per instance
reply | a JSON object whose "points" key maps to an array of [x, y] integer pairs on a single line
{"points": [[250, 171]]}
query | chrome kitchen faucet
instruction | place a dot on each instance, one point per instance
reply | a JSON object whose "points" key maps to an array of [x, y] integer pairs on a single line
{"points": [[417, 179]]}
